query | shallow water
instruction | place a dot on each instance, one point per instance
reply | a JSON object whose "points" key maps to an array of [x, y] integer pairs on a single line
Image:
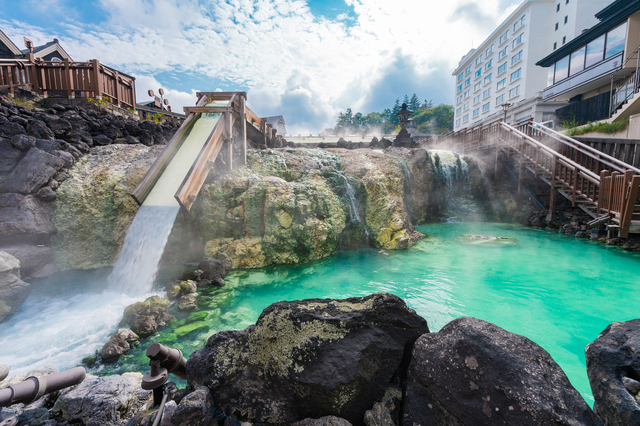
{"points": [[556, 290]]}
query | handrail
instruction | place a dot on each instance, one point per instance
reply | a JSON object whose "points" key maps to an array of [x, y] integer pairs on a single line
{"points": [[633, 80], [612, 162]]}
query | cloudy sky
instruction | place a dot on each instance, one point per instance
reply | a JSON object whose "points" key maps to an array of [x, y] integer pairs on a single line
{"points": [[304, 59]]}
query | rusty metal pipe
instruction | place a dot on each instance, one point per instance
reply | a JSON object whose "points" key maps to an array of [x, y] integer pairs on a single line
{"points": [[34, 387]]}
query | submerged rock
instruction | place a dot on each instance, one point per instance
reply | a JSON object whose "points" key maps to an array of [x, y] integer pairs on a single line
{"points": [[613, 366], [472, 372], [483, 240], [13, 291], [308, 359]]}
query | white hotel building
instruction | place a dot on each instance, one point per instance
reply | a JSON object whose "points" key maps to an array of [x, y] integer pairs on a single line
{"points": [[503, 68]]}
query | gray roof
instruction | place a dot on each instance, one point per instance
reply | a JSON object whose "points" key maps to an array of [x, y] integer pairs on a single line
{"points": [[276, 119]]}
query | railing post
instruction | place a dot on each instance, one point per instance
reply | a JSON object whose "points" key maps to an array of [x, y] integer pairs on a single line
{"points": [[116, 79], [630, 204], [68, 81], [243, 127], [552, 198], [230, 141], [10, 80], [602, 191], [96, 79], [610, 200]]}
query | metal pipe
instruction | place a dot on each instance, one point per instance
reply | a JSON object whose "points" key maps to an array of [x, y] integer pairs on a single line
{"points": [[34, 387]]}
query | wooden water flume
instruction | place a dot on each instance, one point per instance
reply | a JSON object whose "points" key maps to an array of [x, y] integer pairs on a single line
{"points": [[605, 187], [236, 123]]}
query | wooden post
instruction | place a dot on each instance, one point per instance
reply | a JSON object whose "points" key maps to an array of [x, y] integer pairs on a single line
{"points": [[10, 80], [601, 191], [243, 127], [230, 141], [552, 199], [67, 80], [630, 203], [610, 201], [575, 186], [96, 79]]}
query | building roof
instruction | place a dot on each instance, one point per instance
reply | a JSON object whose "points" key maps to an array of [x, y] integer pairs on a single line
{"points": [[276, 119], [610, 17], [10, 45], [48, 48]]}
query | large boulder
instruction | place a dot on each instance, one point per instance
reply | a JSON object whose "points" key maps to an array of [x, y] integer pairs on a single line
{"points": [[13, 291], [32, 258], [99, 401], [613, 366], [32, 172], [195, 409], [472, 372], [309, 359], [25, 220], [10, 155]]}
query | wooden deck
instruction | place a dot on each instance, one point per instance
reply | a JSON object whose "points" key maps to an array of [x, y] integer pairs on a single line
{"points": [[600, 184], [237, 122]]}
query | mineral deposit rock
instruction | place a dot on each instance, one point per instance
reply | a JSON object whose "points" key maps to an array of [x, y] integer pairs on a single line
{"points": [[309, 359], [13, 291]]}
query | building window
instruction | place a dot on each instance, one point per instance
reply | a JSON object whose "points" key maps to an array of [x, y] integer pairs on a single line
{"points": [[488, 64], [516, 58], [518, 24], [514, 92], [466, 94], [566, 19], [566, 1], [476, 99], [489, 51], [556, 26], [502, 53], [615, 40], [476, 112], [465, 118], [458, 122], [486, 93], [555, 45], [550, 74], [486, 107], [517, 41], [502, 83], [459, 89], [478, 60], [478, 73], [558, 7], [487, 79], [562, 69], [577, 61], [595, 52], [477, 86], [465, 107], [500, 99], [504, 37], [502, 68], [468, 70], [460, 77], [467, 82], [458, 99], [516, 74], [458, 110], [564, 39]]}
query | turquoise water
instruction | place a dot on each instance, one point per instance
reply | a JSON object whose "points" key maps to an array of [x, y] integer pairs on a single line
{"points": [[558, 291]]}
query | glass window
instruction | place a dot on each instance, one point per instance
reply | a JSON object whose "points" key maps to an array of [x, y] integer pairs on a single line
{"points": [[556, 26], [555, 45], [476, 99], [466, 94], [566, 18], [465, 118], [467, 82], [476, 112], [562, 69], [595, 52], [458, 110], [489, 50], [500, 99], [459, 88], [514, 92], [516, 74], [517, 57], [478, 60], [477, 86], [615, 40], [468, 70], [558, 7], [488, 64], [502, 83], [465, 107], [577, 61], [518, 24], [550, 73], [502, 68], [458, 99], [486, 93], [460, 77], [502, 53], [504, 37], [458, 122], [478, 73], [487, 79], [517, 41], [486, 107]]}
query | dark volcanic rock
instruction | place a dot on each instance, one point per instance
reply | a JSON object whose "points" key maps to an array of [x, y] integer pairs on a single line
{"points": [[212, 268], [32, 172], [194, 409], [46, 193], [113, 348], [102, 140], [10, 129], [475, 373], [49, 145], [23, 142], [613, 360], [9, 156], [309, 359], [323, 421], [40, 130], [25, 219]]}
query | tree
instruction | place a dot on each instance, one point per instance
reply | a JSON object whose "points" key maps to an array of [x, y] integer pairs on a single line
{"points": [[414, 103], [394, 111], [406, 100]]}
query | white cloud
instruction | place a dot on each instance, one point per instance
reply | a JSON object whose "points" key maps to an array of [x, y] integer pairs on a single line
{"points": [[291, 62]]}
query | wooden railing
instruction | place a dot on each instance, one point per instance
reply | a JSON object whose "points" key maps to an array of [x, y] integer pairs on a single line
{"points": [[597, 182], [89, 78]]}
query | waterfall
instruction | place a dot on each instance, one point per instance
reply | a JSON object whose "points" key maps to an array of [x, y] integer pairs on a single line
{"points": [[408, 191], [139, 260], [452, 173], [354, 215]]}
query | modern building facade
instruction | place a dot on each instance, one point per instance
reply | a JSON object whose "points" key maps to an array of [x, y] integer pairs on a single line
{"points": [[502, 70], [585, 70]]}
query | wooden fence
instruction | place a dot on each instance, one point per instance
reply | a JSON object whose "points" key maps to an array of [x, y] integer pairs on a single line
{"points": [[86, 79]]}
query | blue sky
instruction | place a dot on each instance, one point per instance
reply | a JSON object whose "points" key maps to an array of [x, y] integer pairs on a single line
{"points": [[305, 59]]}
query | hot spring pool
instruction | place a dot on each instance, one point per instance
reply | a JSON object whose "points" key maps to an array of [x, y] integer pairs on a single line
{"points": [[556, 290]]}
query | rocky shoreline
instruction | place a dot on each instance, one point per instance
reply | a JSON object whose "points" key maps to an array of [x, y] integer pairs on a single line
{"points": [[365, 361]]}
